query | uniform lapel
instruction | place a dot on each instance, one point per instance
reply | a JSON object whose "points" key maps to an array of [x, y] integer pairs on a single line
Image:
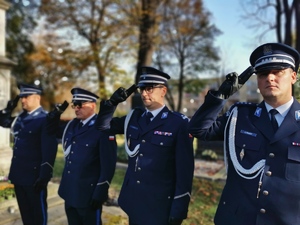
{"points": [[32, 115], [262, 121], [157, 121], [290, 124], [86, 127]]}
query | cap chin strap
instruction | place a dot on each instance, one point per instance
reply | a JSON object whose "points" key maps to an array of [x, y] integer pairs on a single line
{"points": [[136, 149], [254, 171]]}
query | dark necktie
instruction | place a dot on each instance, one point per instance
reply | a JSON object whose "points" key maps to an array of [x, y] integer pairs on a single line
{"points": [[273, 112], [80, 125], [149, 115]]}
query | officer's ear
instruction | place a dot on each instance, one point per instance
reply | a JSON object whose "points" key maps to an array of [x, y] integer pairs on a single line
{"points": [[164, 89]]}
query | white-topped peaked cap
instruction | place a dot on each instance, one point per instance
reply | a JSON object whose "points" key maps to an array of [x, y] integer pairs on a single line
{"points": [[151, 76], [26, 89], [275, 56], [81, 95]]}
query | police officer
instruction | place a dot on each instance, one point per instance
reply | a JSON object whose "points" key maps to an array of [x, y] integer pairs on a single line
{"points": [[262, 148], [34, 152], [158, 181], [90, 160]]}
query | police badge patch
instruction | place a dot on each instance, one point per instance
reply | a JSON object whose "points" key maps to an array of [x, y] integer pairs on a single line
{"points": [[297, 115]]}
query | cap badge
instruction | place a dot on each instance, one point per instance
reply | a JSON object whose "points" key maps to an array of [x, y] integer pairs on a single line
{"points": [[267, 50]]}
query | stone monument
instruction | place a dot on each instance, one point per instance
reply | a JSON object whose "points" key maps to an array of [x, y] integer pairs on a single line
{"points": [[5, 68]]}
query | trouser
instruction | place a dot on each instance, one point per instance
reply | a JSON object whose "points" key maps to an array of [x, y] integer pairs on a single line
{"points": [[83, 216], [32, 205]]}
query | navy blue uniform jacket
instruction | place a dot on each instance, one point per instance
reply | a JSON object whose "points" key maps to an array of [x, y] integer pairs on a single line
{"points": [[34, 151], [158, 181], [89, 166], [278, 201]]}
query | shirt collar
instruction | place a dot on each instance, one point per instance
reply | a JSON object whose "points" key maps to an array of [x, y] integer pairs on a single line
{"points": [[87, 119], [283, 109], [32, 111], [156, 111]]}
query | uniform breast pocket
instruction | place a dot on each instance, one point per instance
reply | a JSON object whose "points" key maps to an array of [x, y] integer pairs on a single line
{"points": [[248, 149], [132, 138], [162, 141], [247, 141], [293, 164]]}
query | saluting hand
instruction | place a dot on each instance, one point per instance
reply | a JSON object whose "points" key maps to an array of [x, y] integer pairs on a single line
{"points": [[121, 94], [233, 83], [11, 105]]}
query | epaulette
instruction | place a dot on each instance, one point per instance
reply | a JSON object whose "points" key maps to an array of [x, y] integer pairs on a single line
{"points": [[247, 104], [180, 115]]}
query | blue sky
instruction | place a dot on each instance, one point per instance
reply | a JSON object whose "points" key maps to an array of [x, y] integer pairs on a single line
{"points": [[237, 41]]}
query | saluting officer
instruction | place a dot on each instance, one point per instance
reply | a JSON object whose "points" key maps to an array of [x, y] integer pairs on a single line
{"points": [[158, 181], [34, 153], [261, 142], [90, 160]]}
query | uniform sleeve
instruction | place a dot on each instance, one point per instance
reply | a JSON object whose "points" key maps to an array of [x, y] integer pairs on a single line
{"points": [[104, 116], [108, 158], [205, 124], [184, 172], [49, 150]]}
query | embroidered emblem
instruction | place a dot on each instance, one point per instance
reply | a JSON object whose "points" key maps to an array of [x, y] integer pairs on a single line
{"points": [[92, 123], [258, 112], [297, 115], [164, 115], [36, 113]]}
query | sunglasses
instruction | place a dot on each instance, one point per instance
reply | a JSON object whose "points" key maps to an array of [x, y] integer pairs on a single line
{"points": [[149, 89], [78, 105]]}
